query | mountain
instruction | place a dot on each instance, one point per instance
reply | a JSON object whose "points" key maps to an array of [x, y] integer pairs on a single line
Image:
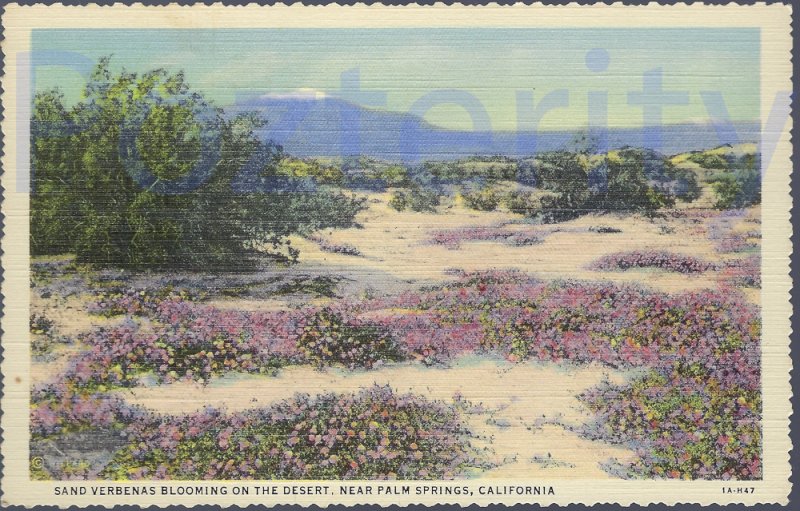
{"points": [[326, 126]]}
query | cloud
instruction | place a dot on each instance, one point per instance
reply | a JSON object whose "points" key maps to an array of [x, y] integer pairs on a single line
{"points": [[304, 93]]}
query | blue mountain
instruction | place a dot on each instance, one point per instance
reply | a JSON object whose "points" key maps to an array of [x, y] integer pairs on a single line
{"points": [[335, 127]]}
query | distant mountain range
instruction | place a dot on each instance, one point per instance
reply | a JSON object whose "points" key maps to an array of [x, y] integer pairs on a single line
{"points": [[325, 126]]}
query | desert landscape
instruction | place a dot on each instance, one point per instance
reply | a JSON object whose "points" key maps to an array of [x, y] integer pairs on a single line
{"points": [[506, 267], [453, 341]]}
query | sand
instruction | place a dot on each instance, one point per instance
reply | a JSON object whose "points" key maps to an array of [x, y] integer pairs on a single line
{"points": [[523, 413], [397, 253], [528, 412]]}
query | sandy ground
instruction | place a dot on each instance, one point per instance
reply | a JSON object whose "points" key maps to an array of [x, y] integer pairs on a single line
{"points": [[529, 410], [69, 314], [522, 413], [397, 253], [70, 320]]}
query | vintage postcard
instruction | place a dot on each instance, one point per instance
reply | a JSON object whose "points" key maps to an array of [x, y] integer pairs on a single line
{"points": [[396, 255]]}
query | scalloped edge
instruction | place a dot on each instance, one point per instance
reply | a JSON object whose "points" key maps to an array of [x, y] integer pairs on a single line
{"points": [[377, 6]]}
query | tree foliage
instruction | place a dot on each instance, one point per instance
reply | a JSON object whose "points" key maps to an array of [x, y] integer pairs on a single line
{"points": [[143, 172], [740, 186]]}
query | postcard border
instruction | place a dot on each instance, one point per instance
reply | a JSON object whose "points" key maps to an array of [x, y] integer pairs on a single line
{"points": [[11, 259]]}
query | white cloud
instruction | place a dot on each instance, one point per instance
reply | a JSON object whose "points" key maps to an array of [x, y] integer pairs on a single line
{"points": [[309, 94]]}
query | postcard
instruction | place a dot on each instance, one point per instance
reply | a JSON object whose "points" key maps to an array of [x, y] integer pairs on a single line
{"points": [[396, 255]]}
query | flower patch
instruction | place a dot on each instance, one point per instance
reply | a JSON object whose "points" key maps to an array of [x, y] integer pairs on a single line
{"points": [[705, 340], [329, 339], [372, 434], [452, 238], [667, 261], [334, 248]]}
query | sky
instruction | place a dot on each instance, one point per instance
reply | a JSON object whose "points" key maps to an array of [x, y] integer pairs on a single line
{"points": [[415, 70]]}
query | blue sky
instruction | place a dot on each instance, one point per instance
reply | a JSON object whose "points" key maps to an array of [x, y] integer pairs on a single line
{"points": [[404, 65]]}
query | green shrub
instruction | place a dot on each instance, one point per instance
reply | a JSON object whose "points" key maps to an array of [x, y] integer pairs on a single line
{"points": [[486, 199], [422, 200], [54, 155], [295, 167], [365, 172], [709, 160], [399, 201], [741, 186], [97, 201], [747, 171], [726, 190], [416, 199], [524, 202], [394, 175], [555, 208], [565, 174], [490, 168], [628, 186]]}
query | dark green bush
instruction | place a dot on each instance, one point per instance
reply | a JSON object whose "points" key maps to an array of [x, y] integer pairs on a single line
{"points": [[565, 173], [749, 180], [522, 203], [741, 185], [526, 203], [399, 201], [296, 167], [422, 200], [709, 161], [485, 199], [394, 175], [364, 172], [628, 186], [91, 196], [489, 168], [726, 190], [416, 199]]}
